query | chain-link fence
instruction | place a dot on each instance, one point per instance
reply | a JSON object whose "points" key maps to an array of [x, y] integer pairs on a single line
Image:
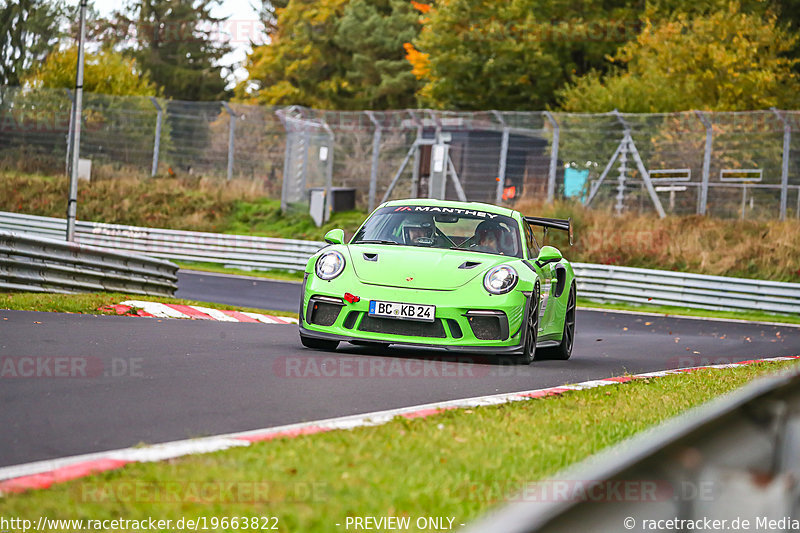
{"points": [[726, 164]]}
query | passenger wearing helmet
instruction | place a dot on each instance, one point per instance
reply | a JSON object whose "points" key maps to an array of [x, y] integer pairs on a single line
{"points": [[492, 237]]}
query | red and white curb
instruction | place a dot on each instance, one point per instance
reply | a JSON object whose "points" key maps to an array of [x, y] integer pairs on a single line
{"points": [[195, 312], [43, 474]]}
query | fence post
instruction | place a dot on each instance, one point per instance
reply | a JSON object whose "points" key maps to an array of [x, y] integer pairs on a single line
{"points": [[501, 171], [787, 139], [231, 133], [703, 200], [415, 170], [157, 143], [376, 152], [69, 133], [551, 180], [328, 170], [72, 201]]}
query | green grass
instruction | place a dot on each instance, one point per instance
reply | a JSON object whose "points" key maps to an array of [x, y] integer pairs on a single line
{"points": [[457, 464], [263, 217], [91, 302], [756, 316], [281, 275]]}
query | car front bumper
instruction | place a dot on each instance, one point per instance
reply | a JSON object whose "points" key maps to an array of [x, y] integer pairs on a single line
{"points": [[467, 319]]}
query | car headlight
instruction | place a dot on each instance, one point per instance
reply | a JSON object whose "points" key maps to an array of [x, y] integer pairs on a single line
{"points": [[329, 265], [500, 279]]}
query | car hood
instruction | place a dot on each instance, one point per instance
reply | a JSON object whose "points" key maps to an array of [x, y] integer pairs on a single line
{"points": [[419, 268]]}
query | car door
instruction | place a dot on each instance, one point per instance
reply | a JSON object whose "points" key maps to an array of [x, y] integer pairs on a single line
{"points": [[546, 280]]}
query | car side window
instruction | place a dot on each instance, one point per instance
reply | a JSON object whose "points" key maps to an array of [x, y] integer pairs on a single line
{"points": [[533, 246]]}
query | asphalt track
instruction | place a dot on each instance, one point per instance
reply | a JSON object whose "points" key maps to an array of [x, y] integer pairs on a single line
{"points": [[91, 383], [238, 290]]}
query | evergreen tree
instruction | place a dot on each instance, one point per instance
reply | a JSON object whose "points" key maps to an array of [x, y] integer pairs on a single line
{"points": [[175, 44], [29, 30], [334, 54]]}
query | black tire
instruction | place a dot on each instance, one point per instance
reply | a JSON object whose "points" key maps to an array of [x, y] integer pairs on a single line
{"points": [[563, 350], [532, 330], [319, 344]]}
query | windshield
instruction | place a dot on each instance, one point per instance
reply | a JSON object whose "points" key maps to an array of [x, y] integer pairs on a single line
{"points": [[442, 227]]}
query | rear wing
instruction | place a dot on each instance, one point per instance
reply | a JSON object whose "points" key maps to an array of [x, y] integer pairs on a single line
{"points": [[555, 223]]}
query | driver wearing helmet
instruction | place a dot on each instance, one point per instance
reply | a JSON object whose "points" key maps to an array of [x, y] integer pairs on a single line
{"points": [[413, 233], [416, 228]]}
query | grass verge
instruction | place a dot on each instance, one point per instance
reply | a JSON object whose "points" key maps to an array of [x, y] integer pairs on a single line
{"points": [[89, 303], [665, 310], [456, 464]]}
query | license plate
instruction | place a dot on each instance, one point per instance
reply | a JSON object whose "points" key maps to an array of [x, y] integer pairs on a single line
{"points": [[401, 310]]}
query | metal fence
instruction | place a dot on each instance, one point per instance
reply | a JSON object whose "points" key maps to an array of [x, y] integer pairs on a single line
{"points": [[39, 264], [595, 282], [725, 164]]}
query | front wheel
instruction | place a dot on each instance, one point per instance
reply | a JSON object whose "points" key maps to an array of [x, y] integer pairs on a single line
{"points": [[564, 350], [318, 344], [531, 329]]}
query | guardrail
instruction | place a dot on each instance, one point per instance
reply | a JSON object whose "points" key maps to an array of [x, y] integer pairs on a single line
{"points": [[682, 289], [595, 282], [241, 251], [734, 460], [39, 264]]}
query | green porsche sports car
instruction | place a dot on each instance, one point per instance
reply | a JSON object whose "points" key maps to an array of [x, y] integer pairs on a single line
{"points": [[462, 276]]}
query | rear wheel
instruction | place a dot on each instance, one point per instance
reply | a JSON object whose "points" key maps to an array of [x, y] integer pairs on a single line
{"points": [[318, 344], [531, 329], [564, 350]]}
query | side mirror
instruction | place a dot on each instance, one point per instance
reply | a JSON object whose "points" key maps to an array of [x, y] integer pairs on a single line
{"points": [[335, 236], [548, 254]]}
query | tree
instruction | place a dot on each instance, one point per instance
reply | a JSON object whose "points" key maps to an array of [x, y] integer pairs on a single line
{"points": [[29, 30], [476, 54], [334, 54], [724, 61], [105, 72], [174, 44], [373, 33]]}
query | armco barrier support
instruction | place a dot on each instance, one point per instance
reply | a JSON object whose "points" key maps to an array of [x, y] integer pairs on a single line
{"points": [[40, 264], [595, 282]]}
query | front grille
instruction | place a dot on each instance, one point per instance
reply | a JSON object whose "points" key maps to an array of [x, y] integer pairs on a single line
{"points": [[485, 328], [322, 313], [393, 326]]}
